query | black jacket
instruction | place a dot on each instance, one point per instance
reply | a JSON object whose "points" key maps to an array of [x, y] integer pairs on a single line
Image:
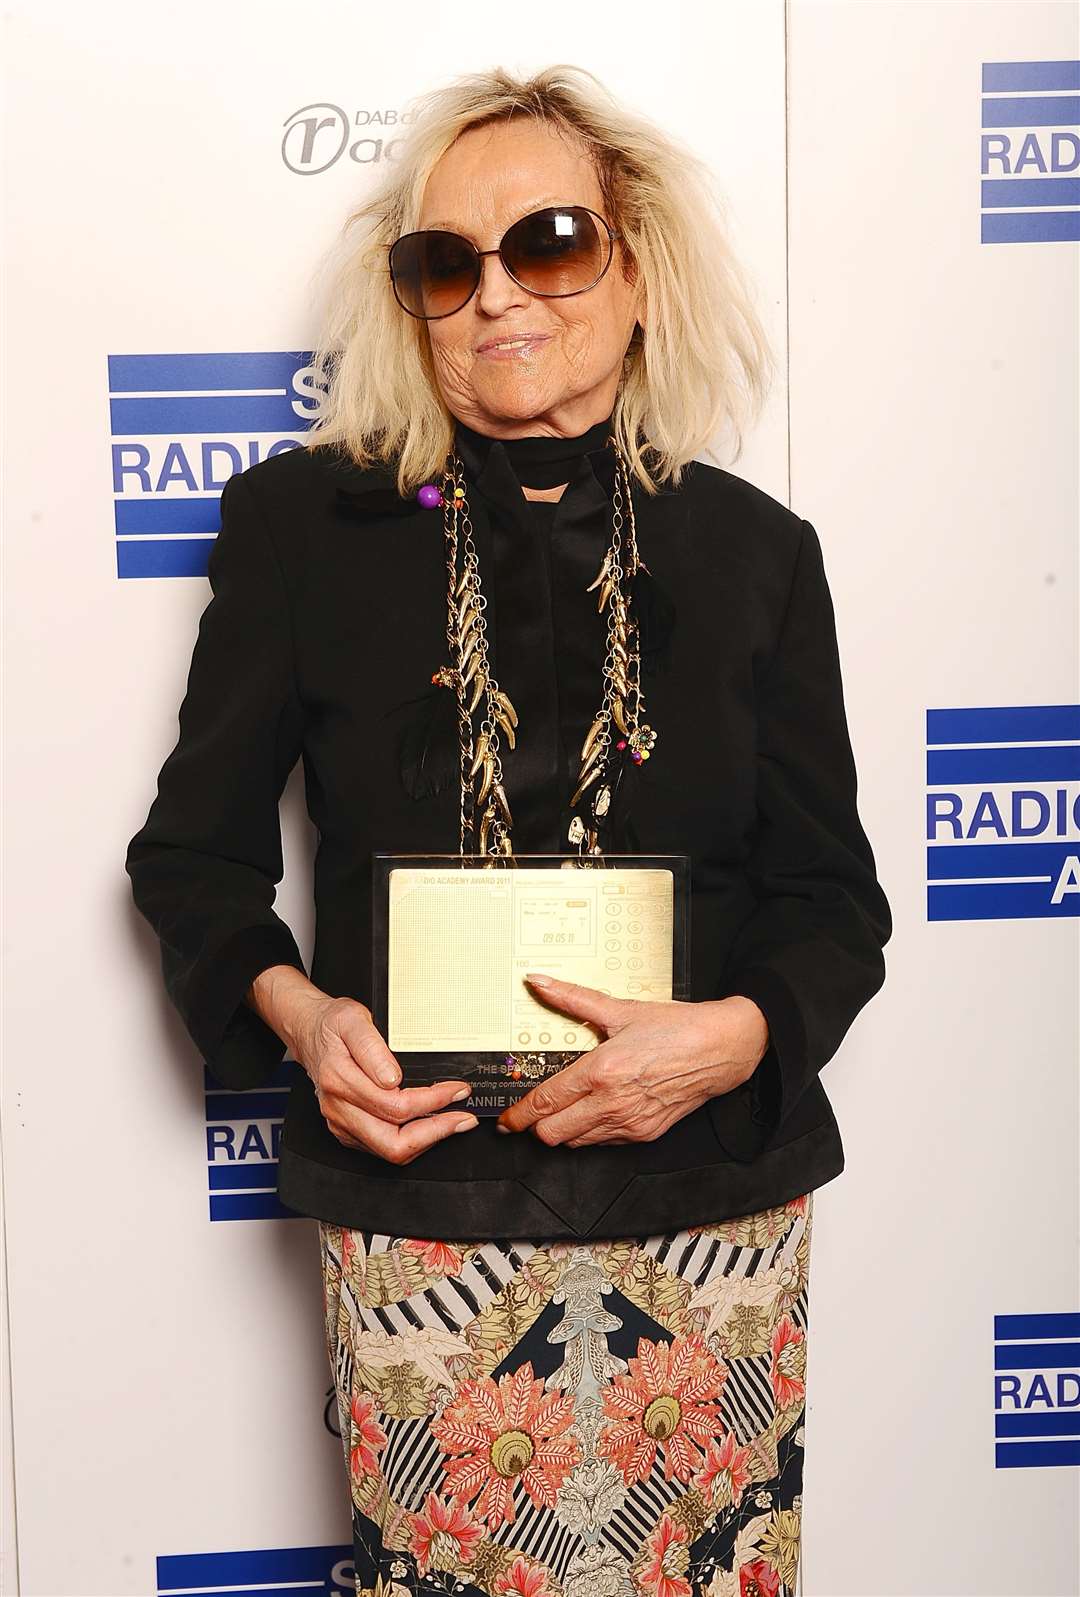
{"points": [[328, 618]]}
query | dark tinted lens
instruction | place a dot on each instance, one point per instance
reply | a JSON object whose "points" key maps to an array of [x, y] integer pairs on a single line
{"points": [[434, 273], [557, 251]]}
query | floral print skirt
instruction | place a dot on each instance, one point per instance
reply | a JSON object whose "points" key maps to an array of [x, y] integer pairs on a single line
{"points": [[603, 1419]]}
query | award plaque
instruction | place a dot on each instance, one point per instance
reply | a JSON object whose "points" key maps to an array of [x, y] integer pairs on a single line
{"points": [[455, 934]]}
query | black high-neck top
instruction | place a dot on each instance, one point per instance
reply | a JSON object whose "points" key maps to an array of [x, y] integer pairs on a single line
{"points": [[538, 461]]}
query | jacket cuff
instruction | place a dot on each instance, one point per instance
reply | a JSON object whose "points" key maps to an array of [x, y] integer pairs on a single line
{"points": [[784, 1069], [239, 1048]]}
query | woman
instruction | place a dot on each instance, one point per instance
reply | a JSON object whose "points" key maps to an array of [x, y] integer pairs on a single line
{"points": [[569, 1346]]}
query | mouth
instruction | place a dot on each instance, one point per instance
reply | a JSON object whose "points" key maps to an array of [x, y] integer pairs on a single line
{"points": [[520, 343]]}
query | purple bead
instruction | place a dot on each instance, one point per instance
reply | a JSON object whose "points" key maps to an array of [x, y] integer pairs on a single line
{"points": [[429, 496]]}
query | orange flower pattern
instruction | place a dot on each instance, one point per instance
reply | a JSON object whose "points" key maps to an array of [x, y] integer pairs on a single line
{"points": [[444, 1532], [669, 1401], [531, 1419], [498, 1434], [668, 1560]]}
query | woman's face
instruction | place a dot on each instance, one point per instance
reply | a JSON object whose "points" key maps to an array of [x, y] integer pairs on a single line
{"points": [[567, 381]]}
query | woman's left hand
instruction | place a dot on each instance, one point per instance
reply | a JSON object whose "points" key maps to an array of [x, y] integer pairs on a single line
{"points": [[657, 1062]]}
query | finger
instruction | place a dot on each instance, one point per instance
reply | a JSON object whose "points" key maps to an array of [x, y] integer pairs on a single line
{"points": [[399, 1144], [586, 1123], [588, 1118], [548, 1097], [368, 1047], [395, 1105], [571, 998]]}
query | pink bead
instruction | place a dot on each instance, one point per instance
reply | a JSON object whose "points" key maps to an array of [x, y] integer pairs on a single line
{"points": [[429, 496], [621, 744]]}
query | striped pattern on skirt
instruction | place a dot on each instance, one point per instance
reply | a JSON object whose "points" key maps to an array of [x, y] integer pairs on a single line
{"points": [[605, 1419]]}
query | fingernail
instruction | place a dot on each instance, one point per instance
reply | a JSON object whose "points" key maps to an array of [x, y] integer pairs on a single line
{"points": [[466, 1125], [503, 1130], [538, 981], [466, 1092], [388, 1077]]}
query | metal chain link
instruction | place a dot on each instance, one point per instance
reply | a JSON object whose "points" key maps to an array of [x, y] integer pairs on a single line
{"points": [[467, 630]]}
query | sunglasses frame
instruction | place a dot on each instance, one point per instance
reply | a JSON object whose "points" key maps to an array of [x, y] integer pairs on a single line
{"points": [[612, 235]]}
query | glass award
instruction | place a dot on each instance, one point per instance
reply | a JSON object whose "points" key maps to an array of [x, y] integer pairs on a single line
{"points": [[455, 934]]}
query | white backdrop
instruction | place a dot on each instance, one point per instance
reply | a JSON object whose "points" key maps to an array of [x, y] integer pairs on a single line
{"points": [[168, 1371]]}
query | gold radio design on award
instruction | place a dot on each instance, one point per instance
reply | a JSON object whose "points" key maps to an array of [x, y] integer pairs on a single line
{"points": [[455, 934]]}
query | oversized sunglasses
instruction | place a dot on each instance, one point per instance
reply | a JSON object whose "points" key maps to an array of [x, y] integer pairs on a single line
{"points": [[561, 250]]}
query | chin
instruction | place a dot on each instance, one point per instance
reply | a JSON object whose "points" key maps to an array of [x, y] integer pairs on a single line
{"points": [[518, 400]]}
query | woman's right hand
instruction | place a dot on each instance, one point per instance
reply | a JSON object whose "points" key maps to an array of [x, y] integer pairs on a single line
{"points": [[356, 1081]]}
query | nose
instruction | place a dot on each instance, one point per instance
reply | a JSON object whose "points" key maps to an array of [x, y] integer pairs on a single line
{"points": [[498, 291]]}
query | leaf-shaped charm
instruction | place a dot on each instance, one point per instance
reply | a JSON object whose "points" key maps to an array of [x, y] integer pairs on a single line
{"points": [[593, 774], [478, 690], [605, 593], [485, 827], [463, 609], [503, 699], [508, 729], [481, 750], [594, 754], [462, 583], [605, 566], [468, 646], [502, 801], [618, 715], [487, 778], [469, 672], [591, 735]]}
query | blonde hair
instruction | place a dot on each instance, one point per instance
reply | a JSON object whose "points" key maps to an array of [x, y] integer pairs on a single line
{"points": [[700, 365]]}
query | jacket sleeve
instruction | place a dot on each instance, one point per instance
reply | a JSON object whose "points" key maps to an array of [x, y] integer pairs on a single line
{"points": [[810, 954], [205, 864]]}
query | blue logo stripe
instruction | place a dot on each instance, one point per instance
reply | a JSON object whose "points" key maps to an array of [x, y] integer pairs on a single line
{"points": [[974, 861], [1037, 1356], [192, 1571], [1024, 1327], [1031, 111], [1035, 1455], [999, 77], [1012, 723], [163, 557], [1030, 227], [212, 413], [1031, 191], [1037, 1424], [315, 1588], [260, 1105], [1027, 901], [951, 766], [249, 1206], [252, 1175], [163, 516], [138, 374]]}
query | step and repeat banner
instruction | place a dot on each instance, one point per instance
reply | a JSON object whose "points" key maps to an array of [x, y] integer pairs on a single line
{"points": [[904, 185]]}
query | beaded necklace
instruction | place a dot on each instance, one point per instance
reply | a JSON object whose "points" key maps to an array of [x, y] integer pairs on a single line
{"points": [[618, 731]]}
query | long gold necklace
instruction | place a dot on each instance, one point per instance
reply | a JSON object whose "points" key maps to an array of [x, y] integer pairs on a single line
{"points": [[617, 729]]}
